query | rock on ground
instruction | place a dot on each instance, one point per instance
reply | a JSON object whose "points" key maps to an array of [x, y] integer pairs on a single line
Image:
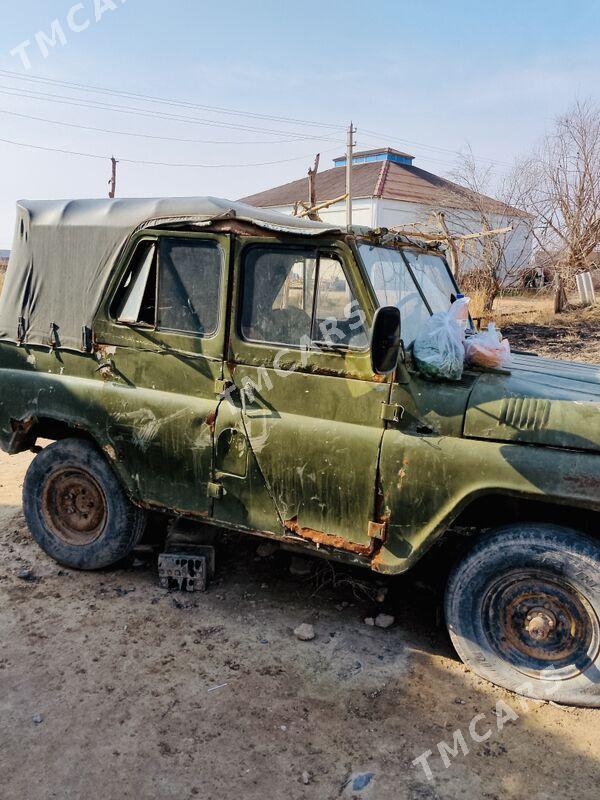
{"points": [[305, 633]]}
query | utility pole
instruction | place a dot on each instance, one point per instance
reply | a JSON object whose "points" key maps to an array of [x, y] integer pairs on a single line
{"points": [[113, 180], [349, 160]]}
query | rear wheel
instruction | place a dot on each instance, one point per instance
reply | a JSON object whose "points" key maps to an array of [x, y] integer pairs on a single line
{"points": [[76, 509], [523, 611]]}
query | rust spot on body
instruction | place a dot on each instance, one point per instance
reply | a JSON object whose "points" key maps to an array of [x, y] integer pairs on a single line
{"points": [[210, 421], [104, 351], [333, 373], [583, 481], [328, 539], [377, 562]]}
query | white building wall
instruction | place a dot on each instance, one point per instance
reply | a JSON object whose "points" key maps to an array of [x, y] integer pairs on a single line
{"points": [[382, 213], [362, 213], [518, 243]]}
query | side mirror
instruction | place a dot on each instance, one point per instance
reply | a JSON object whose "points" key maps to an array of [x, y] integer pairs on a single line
{"points": [[385, 340]]}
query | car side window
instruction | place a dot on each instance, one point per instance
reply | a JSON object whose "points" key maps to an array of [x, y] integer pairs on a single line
{"points": [[297, 298], [278, 295], [338, 319], [189, 274], [135, 302], [189, 286]]}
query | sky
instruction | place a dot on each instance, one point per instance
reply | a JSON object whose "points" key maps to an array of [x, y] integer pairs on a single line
{"points": [[431, 78]]}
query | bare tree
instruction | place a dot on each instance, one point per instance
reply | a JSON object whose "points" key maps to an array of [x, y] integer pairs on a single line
{"points": [[490, 261], [560, 183]]}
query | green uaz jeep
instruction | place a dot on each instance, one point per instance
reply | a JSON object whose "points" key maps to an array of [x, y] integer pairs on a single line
{"points": [[214, 361]]}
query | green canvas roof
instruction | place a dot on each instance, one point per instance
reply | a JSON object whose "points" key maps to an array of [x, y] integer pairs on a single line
{"points": [[64, 252]]}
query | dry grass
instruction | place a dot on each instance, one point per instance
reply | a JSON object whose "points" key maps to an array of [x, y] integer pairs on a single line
{"points": [[530, 325]]}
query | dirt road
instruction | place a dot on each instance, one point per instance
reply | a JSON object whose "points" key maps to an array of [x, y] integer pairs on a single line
{"points": [[113, 688]]}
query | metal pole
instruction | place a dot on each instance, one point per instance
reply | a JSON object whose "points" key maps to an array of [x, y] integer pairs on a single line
{"points": [[113, 180], [349, 160]]}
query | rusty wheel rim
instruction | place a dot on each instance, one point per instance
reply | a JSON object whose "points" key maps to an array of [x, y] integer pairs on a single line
{"points": [[541, 625], [74, 507]]}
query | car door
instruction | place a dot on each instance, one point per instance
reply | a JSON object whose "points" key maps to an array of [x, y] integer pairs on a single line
{"points": [[304, 410], [159, 341]]}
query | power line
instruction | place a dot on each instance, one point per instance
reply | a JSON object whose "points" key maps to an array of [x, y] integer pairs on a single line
{"points": [[180, 139], [169, 138], [166, 101], [141, 135], [62, 100], [152, 163], [173, 138], [234, 112]]}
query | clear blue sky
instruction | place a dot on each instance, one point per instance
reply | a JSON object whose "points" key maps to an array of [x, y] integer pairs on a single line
{"points": [[444, 74]]}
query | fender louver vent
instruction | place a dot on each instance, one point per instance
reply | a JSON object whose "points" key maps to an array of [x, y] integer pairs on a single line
{"points": [[525, 413]]}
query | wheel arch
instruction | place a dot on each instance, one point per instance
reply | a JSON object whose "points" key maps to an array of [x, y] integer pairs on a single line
{"points": [[479, 513], [491, 511], [496, 509], [28, 430]]}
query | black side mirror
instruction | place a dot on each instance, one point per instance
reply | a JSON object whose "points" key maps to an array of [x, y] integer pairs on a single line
{"points": [[385, 340]]}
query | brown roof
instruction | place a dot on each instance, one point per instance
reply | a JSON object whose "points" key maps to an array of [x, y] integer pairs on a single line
{"points": [[384, 179]]}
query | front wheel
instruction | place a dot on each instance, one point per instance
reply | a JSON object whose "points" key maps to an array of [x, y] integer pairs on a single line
{"points": [[76, 509], [523, 611]]}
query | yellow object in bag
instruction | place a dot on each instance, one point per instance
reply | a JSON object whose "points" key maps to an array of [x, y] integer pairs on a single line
{"points": [[488, 349]]}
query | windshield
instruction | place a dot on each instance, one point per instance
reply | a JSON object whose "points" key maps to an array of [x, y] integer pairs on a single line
{"points": [[397, 285], [432, 275]]}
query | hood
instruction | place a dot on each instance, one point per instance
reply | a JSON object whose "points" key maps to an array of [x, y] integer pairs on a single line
{"points": [[541, 401]]}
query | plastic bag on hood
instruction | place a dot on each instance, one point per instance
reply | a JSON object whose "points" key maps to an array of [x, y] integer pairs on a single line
{"points": [[488, 349], [439, 350]]}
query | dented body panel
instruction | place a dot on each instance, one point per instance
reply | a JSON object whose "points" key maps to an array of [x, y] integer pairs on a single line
{"points": [[304, 445]]}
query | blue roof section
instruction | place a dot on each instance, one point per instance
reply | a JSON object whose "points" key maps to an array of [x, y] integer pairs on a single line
{"points": [[369, 156]]}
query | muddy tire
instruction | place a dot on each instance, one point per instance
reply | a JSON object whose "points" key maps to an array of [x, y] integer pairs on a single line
{"points": [[76, 509], [523, 611]]}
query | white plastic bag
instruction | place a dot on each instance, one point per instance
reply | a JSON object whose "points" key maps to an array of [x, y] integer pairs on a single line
{"points": [[488, 349], [439, 350]]}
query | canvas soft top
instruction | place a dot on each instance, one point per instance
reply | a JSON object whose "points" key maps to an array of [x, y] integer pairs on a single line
{"points": [[64, 251]]}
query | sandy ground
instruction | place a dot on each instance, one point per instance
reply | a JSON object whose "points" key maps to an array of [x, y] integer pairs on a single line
{"points": [[142, 693]]}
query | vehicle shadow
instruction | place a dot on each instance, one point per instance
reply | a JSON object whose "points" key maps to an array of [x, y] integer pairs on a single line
{"points": [[415, 600]]}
